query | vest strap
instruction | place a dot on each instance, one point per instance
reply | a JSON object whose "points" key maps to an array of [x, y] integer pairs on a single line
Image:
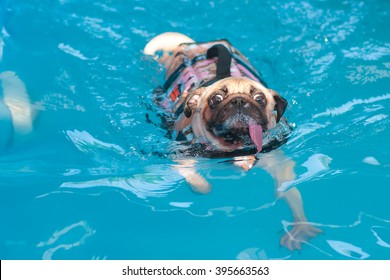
{"points": [[223, 63]]}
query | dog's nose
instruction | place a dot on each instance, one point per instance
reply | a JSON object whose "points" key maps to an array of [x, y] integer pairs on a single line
{"points": [[238, 101]]}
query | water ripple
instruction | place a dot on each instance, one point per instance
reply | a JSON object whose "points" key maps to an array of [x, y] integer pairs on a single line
{"points": [[364, 74], [368, 51], [350, 105], [57, 235], [158, 181], [348, 250], [382, 235]]}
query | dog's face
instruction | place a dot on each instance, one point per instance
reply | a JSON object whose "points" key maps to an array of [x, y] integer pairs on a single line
{"points": [[233, 113]]}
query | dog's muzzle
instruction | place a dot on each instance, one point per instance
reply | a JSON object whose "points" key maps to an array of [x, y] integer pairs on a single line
{"points": [[240, 121]]}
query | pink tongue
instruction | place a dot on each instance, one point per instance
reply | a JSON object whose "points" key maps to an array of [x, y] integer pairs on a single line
{"points": [[256, 134]]}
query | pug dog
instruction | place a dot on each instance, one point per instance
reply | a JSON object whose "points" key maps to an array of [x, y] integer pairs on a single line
{"points": [[218, 100]]}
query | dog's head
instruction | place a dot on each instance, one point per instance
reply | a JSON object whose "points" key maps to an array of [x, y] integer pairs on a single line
{"points": [[233, 112]]}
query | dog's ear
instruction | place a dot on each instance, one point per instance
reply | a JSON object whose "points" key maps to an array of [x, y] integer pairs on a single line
{"points": [[191, 101], [280, 105]]}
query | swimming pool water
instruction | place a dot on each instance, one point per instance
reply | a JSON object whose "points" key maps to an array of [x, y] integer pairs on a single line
{"points": [[92, 181]]}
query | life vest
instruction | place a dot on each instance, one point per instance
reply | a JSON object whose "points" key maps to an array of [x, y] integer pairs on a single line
{"points": [[202, 64], [194, 65]]}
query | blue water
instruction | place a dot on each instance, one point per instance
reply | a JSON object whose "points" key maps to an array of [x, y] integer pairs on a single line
{"points": [[92, 181]]}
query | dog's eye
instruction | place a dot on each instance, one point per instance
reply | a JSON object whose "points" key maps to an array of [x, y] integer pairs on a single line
{"points": [[259, 98], [215, 100]]}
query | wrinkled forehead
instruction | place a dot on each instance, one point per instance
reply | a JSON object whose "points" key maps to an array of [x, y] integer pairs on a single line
{"points": [[236, 85]]}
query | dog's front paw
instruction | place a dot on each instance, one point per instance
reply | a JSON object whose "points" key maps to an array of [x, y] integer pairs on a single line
{"points": [[245, 162], [198, 183], [300, 233]]}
